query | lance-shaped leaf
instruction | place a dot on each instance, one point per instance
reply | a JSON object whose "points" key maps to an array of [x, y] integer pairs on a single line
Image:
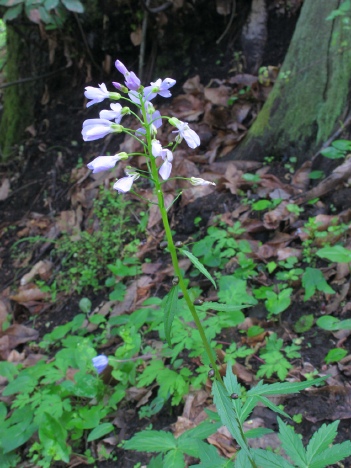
{"points": [[225, 410], [292, 444], [266, 459], [282, 388], [198, 265], [321, 440], [170, 311]]}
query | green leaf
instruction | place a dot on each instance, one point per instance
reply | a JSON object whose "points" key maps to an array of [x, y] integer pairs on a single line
{"points": [[332, 153], [335, 355], [174, 459], [151, 441], [73, 5], [267, 459], [332, 455], [170, 310], [53, 438], [258, 432], [50, 4], [198, 265], [327, 322], [12, 13], [8, 370], [85, 305], [261, 205], [17, 386], [321, 440], [313, 279], [272, 406], [17, 435], [342, 145], [304, 323], [292, 444], [225, 410], [282, 388], [277, 303], [156, 462], [336, 253], [100, 431], [222, 307], [10, 3], [202, 431], [251, 177], [212, 414], [242, 460], [209, 457], [316, 174]]}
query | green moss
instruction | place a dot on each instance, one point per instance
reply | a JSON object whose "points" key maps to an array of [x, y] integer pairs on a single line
{"points": [[18, 99], [300, 114]]}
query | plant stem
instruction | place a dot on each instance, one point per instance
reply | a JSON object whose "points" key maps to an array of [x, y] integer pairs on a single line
{"points": [[173, 252]]}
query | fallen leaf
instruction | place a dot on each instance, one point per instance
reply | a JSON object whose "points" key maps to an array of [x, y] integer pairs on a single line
{"points": [[31, 294], [18, 334], [218, 96], [193, 85], [41, 268], [135, 37], [4, 189]]}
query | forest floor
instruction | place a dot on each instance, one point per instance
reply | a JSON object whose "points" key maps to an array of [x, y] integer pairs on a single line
{"points": [[260, 232]]}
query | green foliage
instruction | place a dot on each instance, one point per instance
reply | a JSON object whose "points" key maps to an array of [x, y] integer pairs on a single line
{"points": [[277, 303], [51, 12], [304, 323], [274, 358], [336, 253], [335, 355], [337, 150], [328, 322], [313, 280]]}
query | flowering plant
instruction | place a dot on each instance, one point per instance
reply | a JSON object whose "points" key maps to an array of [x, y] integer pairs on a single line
{"points": [[232, 406]]}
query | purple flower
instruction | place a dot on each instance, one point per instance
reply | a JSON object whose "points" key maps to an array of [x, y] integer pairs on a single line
{"points": [[184, 131], [131, 80], [156, 120], [198, 181], [93, 129], [156, 148], [166, 168], [116, 113], [125, 184], [159, 87], [100, 363], [120, 87], [102, 163], [95, 94], [120, 67]]}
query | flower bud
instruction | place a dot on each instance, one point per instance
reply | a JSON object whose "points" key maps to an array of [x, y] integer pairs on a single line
{"points": [[122, 155], [150, 109], [234, 396], [211, 373], [175, 280], [178, 244], [198, 302], [115, 96], [117, 128], [125, 110], [174, 121], [198, 181], [164, 244]]}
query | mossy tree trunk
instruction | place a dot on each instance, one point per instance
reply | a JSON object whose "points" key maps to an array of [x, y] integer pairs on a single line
{"points": [[301, 113], [18, 99]]}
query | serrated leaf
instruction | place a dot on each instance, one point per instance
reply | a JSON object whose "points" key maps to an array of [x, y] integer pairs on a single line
{"points": [[202, 431], [313, 279], [258, 432], [267, 459], [13, 12], [247, 409], [272, 406], [232, 386], [73, 5], [198, 265], [242, 460], [332, 455], [156, 462], [292, 444], [212, 415], [282, 388], [174, 459], [321, 440], [151, 441], [225, 410], [100, 431], [170, 310]]}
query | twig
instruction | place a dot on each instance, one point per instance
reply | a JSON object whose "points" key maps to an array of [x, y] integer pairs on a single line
{"points": [[229, 24], [143, 41], [86, 44], [162, 7], [34, 78]]}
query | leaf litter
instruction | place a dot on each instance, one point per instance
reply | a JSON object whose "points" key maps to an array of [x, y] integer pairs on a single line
{"points": [[274, 234]]}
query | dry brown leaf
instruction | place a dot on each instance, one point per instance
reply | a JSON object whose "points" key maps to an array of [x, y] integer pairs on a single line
{"points": [[272, 219], [187, 106], [4, 189], [193, 85], [4, 347], [31, 130], [331, 402], [33, 359], [287, 252], [135, 37], [31, 293], [301, 178], [154, 213], [332, 307], [18, 334], [218, 96], [150, 268], [42, 268]]}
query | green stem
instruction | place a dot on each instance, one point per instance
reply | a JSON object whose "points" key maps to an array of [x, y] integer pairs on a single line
{"points": [[173, 252]]}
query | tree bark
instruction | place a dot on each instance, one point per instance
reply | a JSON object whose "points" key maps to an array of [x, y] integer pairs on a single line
{"points": [[18, 99], [303, 111]]}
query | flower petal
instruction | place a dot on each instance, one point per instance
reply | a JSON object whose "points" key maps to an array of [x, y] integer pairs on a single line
{"points": [[124, 185], [165, 170]]}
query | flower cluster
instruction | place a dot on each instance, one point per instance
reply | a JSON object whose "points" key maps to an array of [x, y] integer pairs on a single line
{"points": [[110, 122]]}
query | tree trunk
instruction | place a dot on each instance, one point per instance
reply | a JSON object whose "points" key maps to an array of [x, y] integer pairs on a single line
{"points": [[18, 99], [303, 111]]}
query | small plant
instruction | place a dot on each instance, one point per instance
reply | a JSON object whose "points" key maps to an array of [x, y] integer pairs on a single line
{"points": [[337, 150]]}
